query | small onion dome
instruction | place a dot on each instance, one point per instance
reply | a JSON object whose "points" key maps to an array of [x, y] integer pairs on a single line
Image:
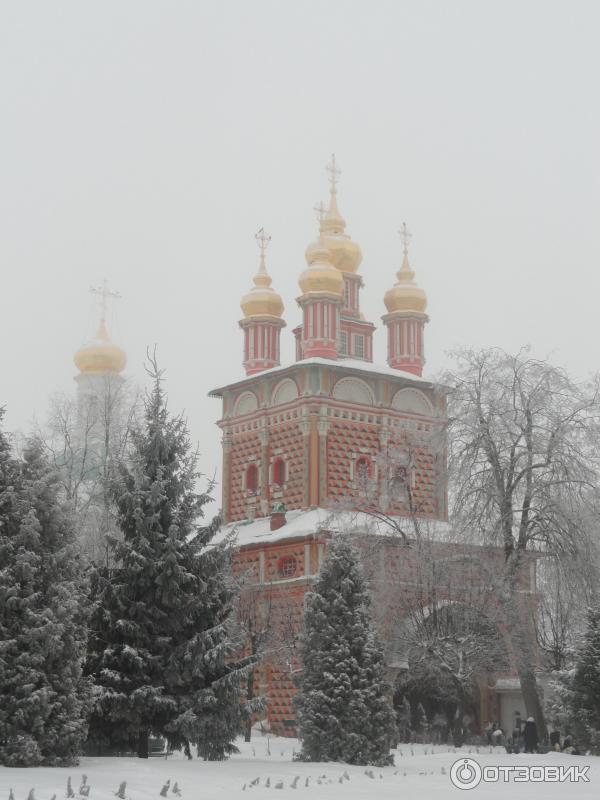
{"points": [[101, 355], [405, 295], [346, 255], [261, 300], [320, 275]]}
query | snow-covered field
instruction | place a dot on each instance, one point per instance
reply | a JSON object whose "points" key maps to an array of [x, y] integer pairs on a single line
{"points": [[420, 772]]}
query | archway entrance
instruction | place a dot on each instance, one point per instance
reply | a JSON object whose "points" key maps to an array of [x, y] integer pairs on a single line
{"points": [[449, 649]]}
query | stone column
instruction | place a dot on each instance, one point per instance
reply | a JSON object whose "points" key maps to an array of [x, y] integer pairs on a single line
{"points": [[305, 429], [313, 499], [264, 473], [322, 429], [383, 477], [226, 479], [307, 564]]}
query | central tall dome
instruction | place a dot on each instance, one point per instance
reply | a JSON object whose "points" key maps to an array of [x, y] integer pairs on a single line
{"points": [[346, 255], [100, 365]]}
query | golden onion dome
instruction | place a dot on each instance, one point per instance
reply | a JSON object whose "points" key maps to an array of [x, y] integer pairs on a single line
{"points": [[101, 356], [262, 300], [405, 295], [321, 275], [346, 255]]}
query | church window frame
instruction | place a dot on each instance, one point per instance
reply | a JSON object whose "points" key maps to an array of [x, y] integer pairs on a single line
{"points": [[363, 468], [358, 345], [287, 566], [279, 472], [343, 343], [252, 479], [347, 294]]}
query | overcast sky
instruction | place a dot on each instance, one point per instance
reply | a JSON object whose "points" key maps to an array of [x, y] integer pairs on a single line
{"points": [[147, 141]]}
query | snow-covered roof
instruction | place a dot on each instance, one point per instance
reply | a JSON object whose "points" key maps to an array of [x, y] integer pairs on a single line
{"points": [[346, 364], [301, 523]]}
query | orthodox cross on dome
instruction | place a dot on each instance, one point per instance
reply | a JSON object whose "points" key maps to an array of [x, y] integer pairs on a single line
{"points": [[105, 294], [406, 236], [320, 211], [263, 239], [334, 173]]}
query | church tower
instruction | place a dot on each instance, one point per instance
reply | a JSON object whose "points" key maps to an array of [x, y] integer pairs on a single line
{"points": [[328, 430], [405, 321], [262, 322], [302, 434], [100, 364], [332, 324]]}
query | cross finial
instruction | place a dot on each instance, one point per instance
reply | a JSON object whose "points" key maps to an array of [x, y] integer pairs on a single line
{"points": [[334, 172], [263, 239], [406, 236], [320, 210], [104, 293]]}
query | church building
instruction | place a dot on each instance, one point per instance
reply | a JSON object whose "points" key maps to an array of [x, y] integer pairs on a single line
{"points": [[334, 437]]}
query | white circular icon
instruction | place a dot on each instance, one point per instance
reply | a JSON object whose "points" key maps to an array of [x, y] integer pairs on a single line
{"points": [[465, 773]]}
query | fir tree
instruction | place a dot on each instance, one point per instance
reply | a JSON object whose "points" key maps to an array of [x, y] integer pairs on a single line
{"points": [[343, 707], [44, 699], [582, 685], [161, 653]]}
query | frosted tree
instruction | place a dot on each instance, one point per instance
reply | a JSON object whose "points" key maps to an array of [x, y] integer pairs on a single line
{"points": [[523, 457], [580, 687], [343, 704], [161, 652], [43, 620], [84, 438]]}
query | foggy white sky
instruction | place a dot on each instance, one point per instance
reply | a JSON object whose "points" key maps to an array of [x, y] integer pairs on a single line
{"points": [[147, 141]]}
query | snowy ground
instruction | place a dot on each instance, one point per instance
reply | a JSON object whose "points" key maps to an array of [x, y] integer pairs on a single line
{"points": [[418, 773]]}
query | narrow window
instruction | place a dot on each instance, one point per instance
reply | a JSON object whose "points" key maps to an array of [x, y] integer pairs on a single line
{"points": [[344, 343], [359, 346], [252, 479], [279, 472], [362, 470]]}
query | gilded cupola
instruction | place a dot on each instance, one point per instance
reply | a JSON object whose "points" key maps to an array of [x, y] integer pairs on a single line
{"points": [[346, 255], [262, 300], [405, 295], [101, 355]]}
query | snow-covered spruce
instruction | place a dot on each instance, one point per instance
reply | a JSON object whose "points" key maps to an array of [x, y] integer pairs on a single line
{"points": [[343, 707], [161, 654], [576, 705], [43, 624]]}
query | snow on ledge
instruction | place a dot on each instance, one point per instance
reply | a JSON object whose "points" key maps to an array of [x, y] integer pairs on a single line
{"points": [[345, 364], [302, 523]]}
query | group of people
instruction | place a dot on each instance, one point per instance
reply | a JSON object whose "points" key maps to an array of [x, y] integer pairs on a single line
{"points": [[524, 738]]}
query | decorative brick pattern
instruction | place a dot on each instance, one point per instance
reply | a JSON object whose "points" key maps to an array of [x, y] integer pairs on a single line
{"points": [[286, 441], [245, 449], [345, 441]]}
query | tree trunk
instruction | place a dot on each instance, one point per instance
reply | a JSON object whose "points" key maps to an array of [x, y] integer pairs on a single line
{"points": [[531, 697], [250, 696], [522, 637], [142, 745]]}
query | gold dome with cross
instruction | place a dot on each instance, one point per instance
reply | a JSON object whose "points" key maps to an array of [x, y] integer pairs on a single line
{"points": [[262, 300], [405, 295], [346, 255], [101, 356]]}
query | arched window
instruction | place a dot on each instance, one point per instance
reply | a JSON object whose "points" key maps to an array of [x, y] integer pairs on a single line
{"points": [[287, 566], [400, 475], [252, 479], [279, 472], [362, 469]]}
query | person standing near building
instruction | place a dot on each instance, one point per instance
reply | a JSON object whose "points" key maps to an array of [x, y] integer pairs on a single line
{"points": [[530, 736]]}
